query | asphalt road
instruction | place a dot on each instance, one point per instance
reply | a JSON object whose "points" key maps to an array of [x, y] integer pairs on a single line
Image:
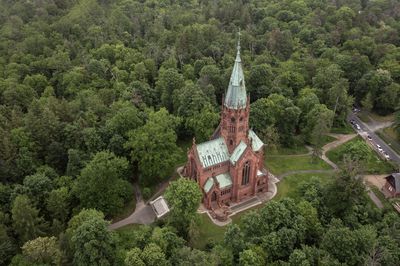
{"points": [[375, 138]]}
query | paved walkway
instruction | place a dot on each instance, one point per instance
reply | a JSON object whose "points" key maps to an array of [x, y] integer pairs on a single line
{"points": [[143, 213], [340, 139], [375, 199]]}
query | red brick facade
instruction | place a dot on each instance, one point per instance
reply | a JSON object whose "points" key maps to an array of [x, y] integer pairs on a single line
{"points": [[229, 167]]}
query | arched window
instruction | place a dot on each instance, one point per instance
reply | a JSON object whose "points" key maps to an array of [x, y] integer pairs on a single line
{"points": [[246, 173], [232, 119], [231, 142]]}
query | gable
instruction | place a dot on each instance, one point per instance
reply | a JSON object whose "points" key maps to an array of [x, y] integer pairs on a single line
{"points": [[238, 152], [256, 143]]}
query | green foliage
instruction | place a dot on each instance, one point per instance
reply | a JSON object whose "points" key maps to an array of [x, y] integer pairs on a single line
{"points": [[58, 203], [184, 196], [133, 258], [153, 146], [42, 250], [92, 243], [168, 82], [26, 220], [268, 111], [38, 187], [101, 184], [79, 77], [349, 246], [356, 149], [203, 123], [7, 245], [249, 257], [188, 256], [152, 255]]}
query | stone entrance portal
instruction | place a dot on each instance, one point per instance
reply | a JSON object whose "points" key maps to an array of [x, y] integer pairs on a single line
{"points": [[214, 196]]}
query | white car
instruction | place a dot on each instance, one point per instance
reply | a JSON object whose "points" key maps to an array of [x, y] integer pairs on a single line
{"points": [[358, 127], [378, 146], [386, 155]]}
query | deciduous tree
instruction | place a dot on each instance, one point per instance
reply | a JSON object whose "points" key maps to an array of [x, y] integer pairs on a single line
{"points": [[42, 250], [184, 196], [153, 146], [26, 220], [93, 243], [102, 185]]}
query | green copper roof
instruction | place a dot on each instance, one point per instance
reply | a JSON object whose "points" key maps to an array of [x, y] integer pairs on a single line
{"points": [[213, 152], [237, 152], [236, 97], [209, 184], [256, 142], [224, 180]]}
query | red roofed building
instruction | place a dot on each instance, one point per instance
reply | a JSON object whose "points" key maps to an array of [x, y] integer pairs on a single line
{"points": [[230, 166]]}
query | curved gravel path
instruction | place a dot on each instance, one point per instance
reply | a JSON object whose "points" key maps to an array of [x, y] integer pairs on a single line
{"points": [[340, 139]]}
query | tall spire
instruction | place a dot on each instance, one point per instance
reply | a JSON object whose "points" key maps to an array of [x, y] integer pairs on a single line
{"points": [[236, 97]]}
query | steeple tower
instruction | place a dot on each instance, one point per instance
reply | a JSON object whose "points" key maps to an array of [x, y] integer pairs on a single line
{"points": [[236, 107], [236, 97]]}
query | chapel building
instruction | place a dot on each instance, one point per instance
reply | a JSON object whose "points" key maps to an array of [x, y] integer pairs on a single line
{"points": [[230, 166]]}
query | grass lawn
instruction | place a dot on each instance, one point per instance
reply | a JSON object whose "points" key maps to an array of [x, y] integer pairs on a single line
{"points": [[208, 232], [282, 164], [374, 165], [289, 186], [287, 151], [327, 139], [390, 136], [346, 129]]}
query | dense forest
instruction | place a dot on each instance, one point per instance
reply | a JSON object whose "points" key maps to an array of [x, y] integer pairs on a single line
{"points": [[96, 93]]}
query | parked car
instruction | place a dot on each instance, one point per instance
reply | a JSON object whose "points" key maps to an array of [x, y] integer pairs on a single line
{"points": [[378, 146], [369, 137], [358, 127], [386, 155]]}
